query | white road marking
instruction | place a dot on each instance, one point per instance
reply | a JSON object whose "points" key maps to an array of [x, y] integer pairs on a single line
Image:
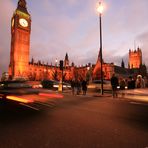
{"points": [[139, 103], [45, 104], [29, 106]]}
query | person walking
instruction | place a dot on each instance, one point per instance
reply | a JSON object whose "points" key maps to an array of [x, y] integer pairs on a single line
{"points": [[84, 87], [122, 85], [73, 86], [78, 87], [140, 82], [114, 84]]}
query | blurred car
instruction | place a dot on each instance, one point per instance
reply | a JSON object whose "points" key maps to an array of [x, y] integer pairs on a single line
{"points": [[35, 84], [96, 85], [54, 85], [22, 92], [49, 84], [65, 85]]}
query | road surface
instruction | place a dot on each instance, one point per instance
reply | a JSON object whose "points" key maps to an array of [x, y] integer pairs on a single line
{"points": [[75, 122]]}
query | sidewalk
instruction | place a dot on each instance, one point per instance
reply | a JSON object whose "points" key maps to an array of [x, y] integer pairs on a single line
{"points": [[89, 93], [132, 94], [135, 94]]}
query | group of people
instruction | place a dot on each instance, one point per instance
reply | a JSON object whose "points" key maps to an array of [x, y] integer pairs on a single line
{"points": [[117, 84], [77, 86], [129, 83]]}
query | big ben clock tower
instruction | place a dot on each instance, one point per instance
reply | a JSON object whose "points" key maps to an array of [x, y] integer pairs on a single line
{"points": [[20, 41]]}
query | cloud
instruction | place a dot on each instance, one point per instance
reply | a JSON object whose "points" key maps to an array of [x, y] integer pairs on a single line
{"points": [[73, 27], [5, 15], [56, 33], [143, 42]]}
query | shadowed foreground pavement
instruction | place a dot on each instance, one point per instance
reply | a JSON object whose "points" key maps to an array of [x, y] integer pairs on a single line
{"points": [[76, 122]]}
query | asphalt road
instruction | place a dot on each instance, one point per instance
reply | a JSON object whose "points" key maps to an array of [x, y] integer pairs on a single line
{"points": [[75, 122]]}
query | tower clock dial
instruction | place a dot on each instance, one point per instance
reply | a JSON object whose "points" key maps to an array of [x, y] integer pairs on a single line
{"points": [[23, 22]]}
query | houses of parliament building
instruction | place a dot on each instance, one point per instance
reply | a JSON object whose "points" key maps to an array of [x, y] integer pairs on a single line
{"points": [[20, 51]]}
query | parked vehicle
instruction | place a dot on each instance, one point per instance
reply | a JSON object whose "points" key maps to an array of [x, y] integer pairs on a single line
{"points": [[65, 85], [35, 84]]}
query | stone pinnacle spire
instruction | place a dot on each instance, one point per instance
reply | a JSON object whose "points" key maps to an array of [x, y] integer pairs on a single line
{"points": [[22, 6]]}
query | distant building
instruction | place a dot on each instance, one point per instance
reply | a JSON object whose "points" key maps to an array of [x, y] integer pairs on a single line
{"points": [[135, 67], [20, 41], [66, 61], [20, 67], [108, 69], [135, 58]]}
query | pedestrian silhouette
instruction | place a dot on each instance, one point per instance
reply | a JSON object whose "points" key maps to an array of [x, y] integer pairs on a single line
{"points": [[84, 87], [114, 84]]}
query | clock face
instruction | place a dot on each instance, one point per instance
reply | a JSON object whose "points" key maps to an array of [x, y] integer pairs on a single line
{"points": [[23, 22]]}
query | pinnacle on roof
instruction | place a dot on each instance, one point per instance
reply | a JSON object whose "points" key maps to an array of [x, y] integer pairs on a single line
{"points": [[66, 57], [22, 6]]}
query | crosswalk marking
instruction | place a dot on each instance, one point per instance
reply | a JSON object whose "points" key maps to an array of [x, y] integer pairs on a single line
{"points": [[34, 108], [38, 105], [47, 104], [139, 103]]}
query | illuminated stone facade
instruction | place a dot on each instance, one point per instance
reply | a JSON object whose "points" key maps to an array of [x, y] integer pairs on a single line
{"points": [[20, 41], [135, 58], [107, 68], [135, 67], [20, 50], [20, 67]]}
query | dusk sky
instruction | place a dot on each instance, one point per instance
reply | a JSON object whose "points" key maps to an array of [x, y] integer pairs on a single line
{"points": [[72, 26]]}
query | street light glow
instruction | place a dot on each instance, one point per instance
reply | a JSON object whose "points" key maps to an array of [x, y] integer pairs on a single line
{"points": [[88, 68], [56, 62], [100, 8]]}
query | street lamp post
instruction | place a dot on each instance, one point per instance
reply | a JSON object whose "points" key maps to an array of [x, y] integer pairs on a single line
{"points": [[56, 62], [100, 10]]}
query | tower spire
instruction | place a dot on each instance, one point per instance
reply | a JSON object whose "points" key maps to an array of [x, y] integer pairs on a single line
{"points": [[122, 64], [66, 61], [66, 56], [22, 6], [99, 57], [22, 3]]}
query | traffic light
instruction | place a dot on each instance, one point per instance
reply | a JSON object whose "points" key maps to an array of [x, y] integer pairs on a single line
{"points": [[61, 64]]}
